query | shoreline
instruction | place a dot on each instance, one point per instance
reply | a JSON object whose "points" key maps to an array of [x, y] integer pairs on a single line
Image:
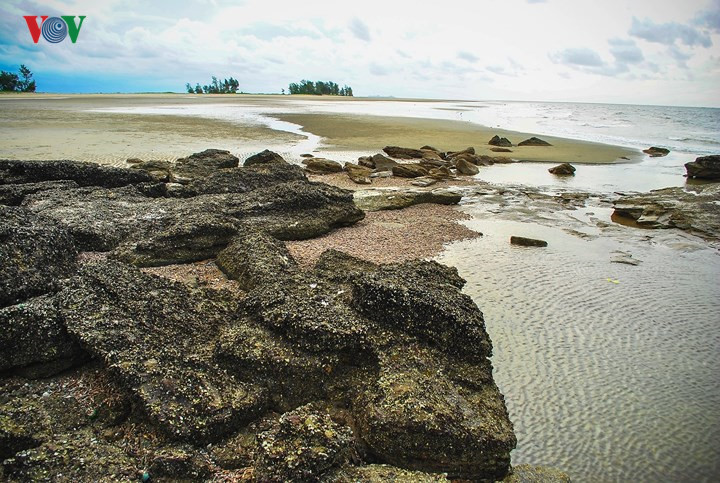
{"points": [[110, 138]]}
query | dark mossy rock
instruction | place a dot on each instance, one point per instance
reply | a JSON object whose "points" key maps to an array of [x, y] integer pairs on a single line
{"points": [[36, 253], [255, 259], [84, 174], [409, 170], [403, 153], [564, 169], [704, 167], [157, 338], [291, 376], [242, 180], [159, 170], [156, 231], [498, 141], [301, 446], [265, 157], [34, 341], [536, 474], [416, 417], [423, 299], [202, 164], [312, 312], [179, 462], [13, 194], [533, 141], [382, 474], [527, 242], [341, 267], [193, 237]]}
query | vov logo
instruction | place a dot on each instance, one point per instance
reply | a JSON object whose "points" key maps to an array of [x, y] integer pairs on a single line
{"points": [[54, 29]]}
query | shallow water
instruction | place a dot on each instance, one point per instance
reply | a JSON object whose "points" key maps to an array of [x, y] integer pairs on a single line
{"points": [[610, 371]]}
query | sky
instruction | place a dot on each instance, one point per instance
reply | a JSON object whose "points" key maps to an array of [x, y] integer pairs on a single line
{"points": [[662, 52]]}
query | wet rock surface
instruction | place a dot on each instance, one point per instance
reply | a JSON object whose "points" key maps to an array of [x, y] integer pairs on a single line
{"points": [[313, 374], [403, 153], [564, 169], [84, 174], [396, 199], [527, 242], [704, 167], [655, 152], [694, 209]]}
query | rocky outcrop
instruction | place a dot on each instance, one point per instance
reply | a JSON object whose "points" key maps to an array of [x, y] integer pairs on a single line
{"points": [[536, 474], [403, 153], [409, 170], [36, 254], [396, 198], [84, 174], [564, 169], [704, 167], [301, 446], [533, 141], [527, 242], [202, 164], [265, 157], [501, 142], [14, 194], [656, 152], [159, 170], [148, 230], [34, 339], [156, 337], [695, 210]]}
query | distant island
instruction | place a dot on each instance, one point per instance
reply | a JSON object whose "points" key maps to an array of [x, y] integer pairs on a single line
{"points": [[319, 88]]}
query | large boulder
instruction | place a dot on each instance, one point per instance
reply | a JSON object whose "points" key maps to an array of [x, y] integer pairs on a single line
{"points": [[36, 253], [156, 337], [704, 167], [202, 164], [84, 174], [403, 153], [382, 163], [264, 157], [159, 170]]}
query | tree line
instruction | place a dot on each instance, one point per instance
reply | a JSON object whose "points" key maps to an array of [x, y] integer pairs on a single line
{"points": [[225, 86], [319, 88], [12, 82]]}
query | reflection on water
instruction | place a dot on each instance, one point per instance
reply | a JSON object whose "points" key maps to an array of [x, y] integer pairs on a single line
{"points": [[610, 371]]}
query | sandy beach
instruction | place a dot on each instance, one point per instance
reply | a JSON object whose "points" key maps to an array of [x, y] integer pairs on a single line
{"points": [[108, 129]]}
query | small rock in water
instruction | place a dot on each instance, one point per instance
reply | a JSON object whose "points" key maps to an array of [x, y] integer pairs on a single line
{"points": [[625, 258], [564, 169], [501, 150], [656, 152], [527, 242]]}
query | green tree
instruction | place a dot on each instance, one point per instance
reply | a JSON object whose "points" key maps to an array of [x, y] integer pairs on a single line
{"points": [[8, 81], [12, 82], [189, 88], [198, 89]]}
